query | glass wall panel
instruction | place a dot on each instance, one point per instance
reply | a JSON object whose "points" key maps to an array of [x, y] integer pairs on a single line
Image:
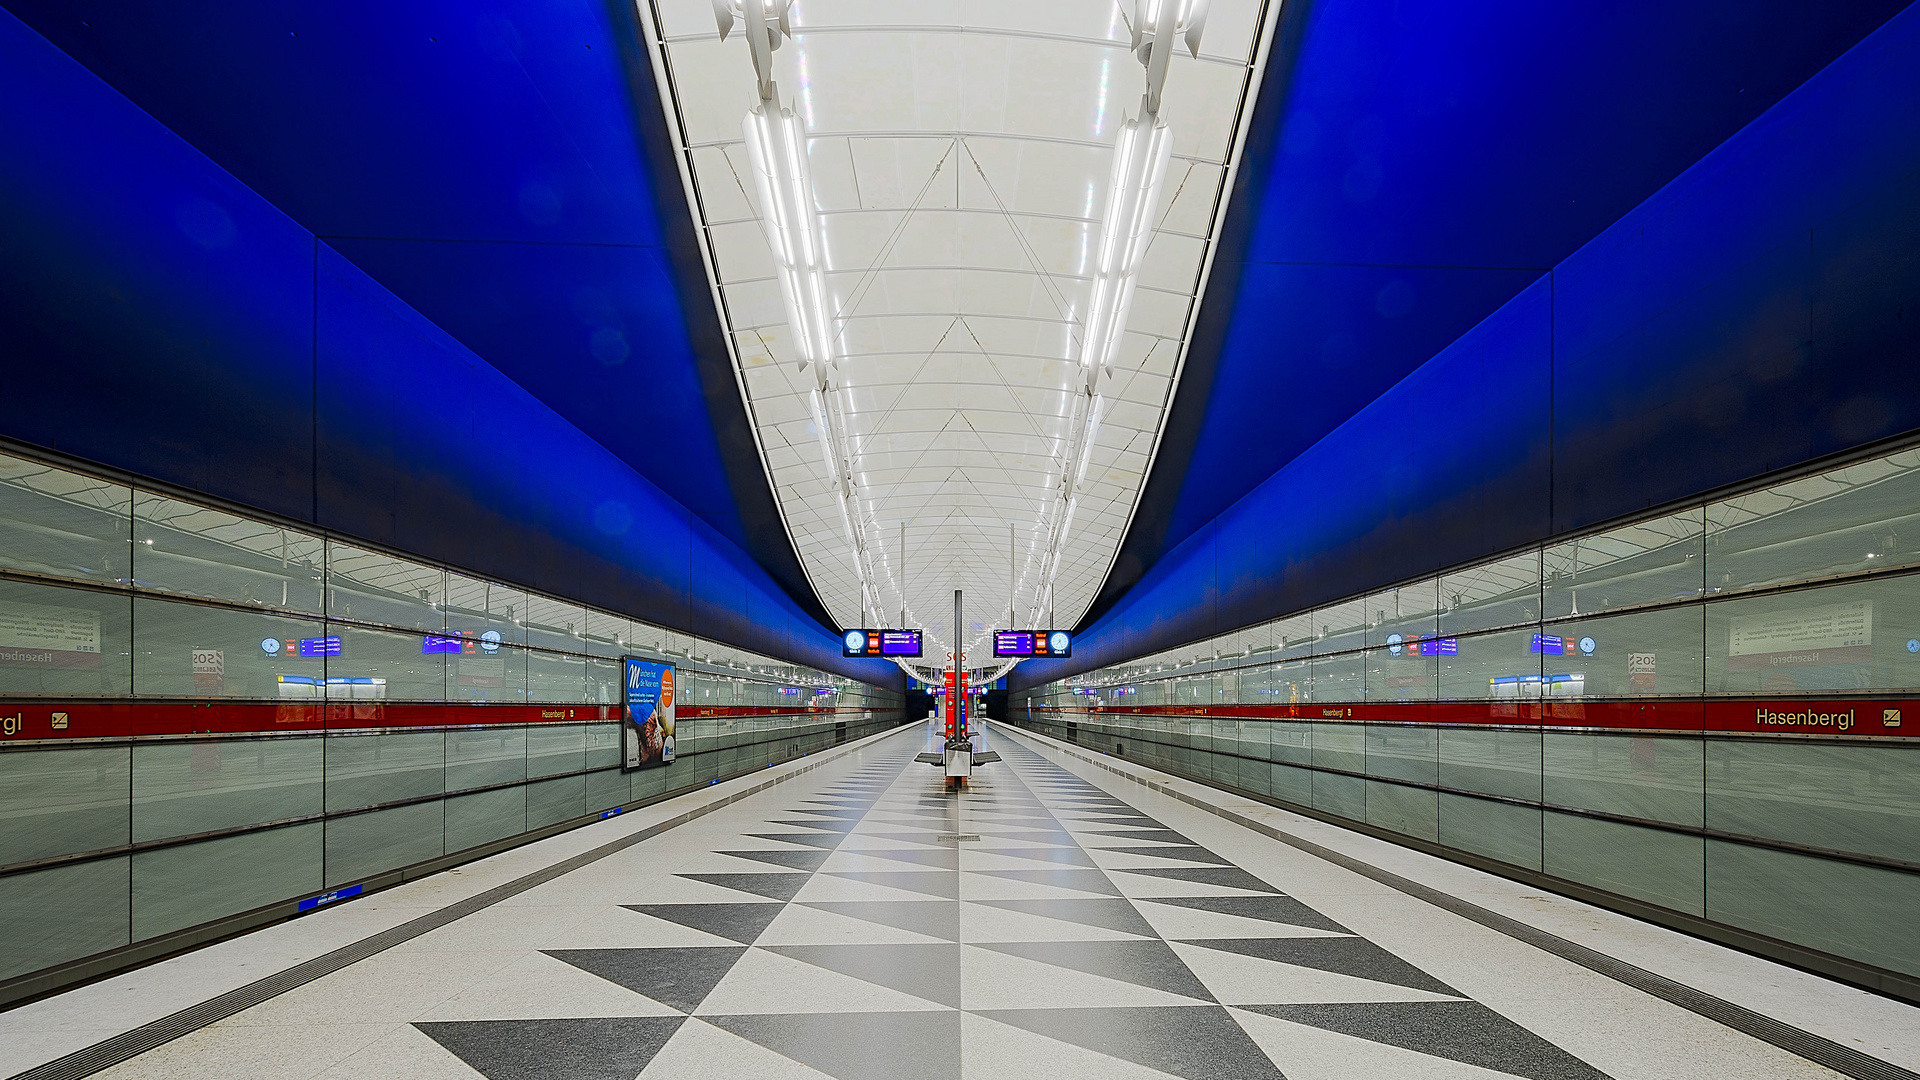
{"points": [[362, 845], [1398, 672], [1632, 655], [493, 613], [1492, 595], [62, 914], [1857, 519], [493, 673], [1501, 666], [1409, 810], [1660, 867], [1497, 762], [368, 586], [190, 884], [555, 624], [1496, 830], [200, 651], [550, 802], [387, 665], [1340, 746], [64, 525], [1341, 677], [1345, 796], [57, 642], [1858, 797], [1341, 627], [1402, 751], [1657, 778], [183, 788], [382, 767], [191, 550], [483, 756], [556, 748], [1842, 638], [556, 677], [1652, 562], [62, 801], [1408, 613], [1842, 908]]}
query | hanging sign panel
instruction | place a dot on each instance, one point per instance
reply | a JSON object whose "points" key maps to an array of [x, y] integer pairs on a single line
{"points": [[882, 643], [646, 735], [1031, 644]]}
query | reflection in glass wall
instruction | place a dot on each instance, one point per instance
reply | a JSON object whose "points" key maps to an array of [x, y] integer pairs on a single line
{"points": [[110, 593], [1549, 709]]}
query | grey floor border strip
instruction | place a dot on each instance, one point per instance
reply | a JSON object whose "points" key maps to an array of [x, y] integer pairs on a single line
{"points": [[1817, 1049], [130, 1044]]}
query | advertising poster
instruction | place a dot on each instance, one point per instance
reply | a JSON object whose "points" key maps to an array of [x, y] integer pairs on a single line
{"points": [[647, 734]]}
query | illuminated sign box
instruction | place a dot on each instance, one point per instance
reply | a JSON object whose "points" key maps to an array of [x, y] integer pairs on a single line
{"points": [[880, 642], [1032, 644]]}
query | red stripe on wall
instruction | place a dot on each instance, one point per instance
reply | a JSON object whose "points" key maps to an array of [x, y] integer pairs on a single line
{"points": [[1773, 716], [42, 720]]}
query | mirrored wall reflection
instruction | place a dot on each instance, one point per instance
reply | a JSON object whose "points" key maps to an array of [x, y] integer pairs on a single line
{"points": [[1805, 587], [118, 592]]}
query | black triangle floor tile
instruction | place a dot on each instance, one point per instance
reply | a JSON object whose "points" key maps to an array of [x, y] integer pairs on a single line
{"points": [[736, 922], [860, 1046], [931, 918], [942, 883], [1353, 956], [1184, 852], [1465, 1031], [680, 978], [1089, 911], [1226, 877], [1275, 909], [925, 971], [1087, 881], [1144, 963], [797, 860], [1199, 1042], [606, 1048], [824, 841], [771, 886]]}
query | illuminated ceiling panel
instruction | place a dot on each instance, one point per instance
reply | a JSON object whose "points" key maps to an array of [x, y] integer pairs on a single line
{"points": [[960, 157]]}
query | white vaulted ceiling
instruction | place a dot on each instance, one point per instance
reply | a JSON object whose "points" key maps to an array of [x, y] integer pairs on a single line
{"points": [[960, 153]]}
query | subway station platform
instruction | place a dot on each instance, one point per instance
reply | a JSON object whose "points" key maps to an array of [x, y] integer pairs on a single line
{"points": [[1065, 915]]}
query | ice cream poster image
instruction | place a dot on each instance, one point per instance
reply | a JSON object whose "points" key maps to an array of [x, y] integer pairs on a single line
{"points": [[647, 735]]}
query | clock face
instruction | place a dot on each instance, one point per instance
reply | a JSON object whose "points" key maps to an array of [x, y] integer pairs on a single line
{"points": [[856, 640], [490, 641], [1587, 645], [1058, 641], [270, 646]]}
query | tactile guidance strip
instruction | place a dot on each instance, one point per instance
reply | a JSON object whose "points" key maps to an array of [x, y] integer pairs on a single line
{"points": [[1817, 1049], [128, 1045]]}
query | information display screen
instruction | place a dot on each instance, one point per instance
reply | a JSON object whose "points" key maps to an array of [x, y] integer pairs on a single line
{"points": [[880, 642], [1032, 643]]}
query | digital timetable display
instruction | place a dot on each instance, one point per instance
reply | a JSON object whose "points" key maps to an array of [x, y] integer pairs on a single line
{"points": [[878, 642], [1031, 644]]}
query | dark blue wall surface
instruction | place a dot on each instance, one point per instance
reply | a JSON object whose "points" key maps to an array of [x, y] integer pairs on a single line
{"points": [[500, 165], [1760, 311], [1412, 166], [159, 317]]}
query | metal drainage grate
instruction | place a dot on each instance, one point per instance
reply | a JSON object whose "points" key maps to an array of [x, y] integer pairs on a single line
{"points": [[955, 838]]}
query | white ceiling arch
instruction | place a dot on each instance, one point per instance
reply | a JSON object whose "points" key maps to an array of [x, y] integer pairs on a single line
{"points": [[960, 155]]}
